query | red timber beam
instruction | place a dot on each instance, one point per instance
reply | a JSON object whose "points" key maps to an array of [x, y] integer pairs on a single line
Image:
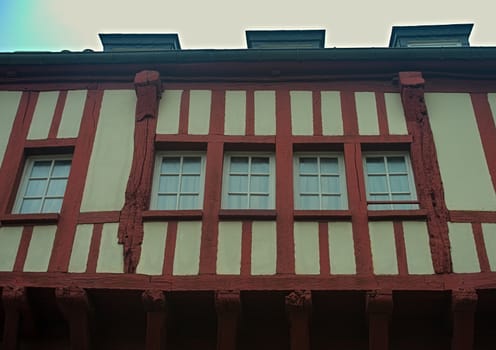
{"points": [[228, 307], [155, 306], [299, 309], [76, 308], [426, 168], [463, 305], [379, 310], [148, 91]]}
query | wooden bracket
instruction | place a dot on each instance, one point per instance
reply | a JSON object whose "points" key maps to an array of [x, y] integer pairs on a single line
{"points": [[155, 305], [17, 308], [299, 309]]}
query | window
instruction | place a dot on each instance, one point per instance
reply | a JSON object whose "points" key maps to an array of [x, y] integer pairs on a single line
{"points": [[178, 182], [320, 182], [248, 181], [43, 185], [389, 181]]}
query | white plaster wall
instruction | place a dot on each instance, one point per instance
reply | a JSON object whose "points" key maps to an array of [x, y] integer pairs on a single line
{"points": [[235, 113], [383, 248], [332, 118], [43, 115], [72, 114], [301, 112], [307, 257], [199, 111], [489, 234], [9, 103], [229, 248], [418, 253], [466, 180], [463, 250], [341, 248], [153, 248], [110, 255], [40, 249], [81, 248], [265, 112], [112, 155], [366, 107], [395, 114], [187, 252], [10, 238], [263, 248], [169, 111]]}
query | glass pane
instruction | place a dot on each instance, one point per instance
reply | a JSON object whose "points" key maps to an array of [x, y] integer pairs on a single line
{"points": [[259, 183], [166, 202], [190, 183], [239, 165], [61, 168], [35, 188], [375, 165], [31, 206], [380, 197], [260, 165], [331, 202], [168, 183], [403, 197], [188, 202], [329, 166], [237, 201], [399, 183], [238, 183], [309, 202], [330, 184], [170, 165], [308, 165], [41, 168], [52, 205], [56, 187], [191, 165], [259, 202], [396, 164], [377, 184], [309, 184]]}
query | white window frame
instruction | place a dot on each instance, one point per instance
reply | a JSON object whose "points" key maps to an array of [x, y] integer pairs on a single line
{"points": [[28, 166], [341, 174], [156, 177], [411, 180], [225, 178]]}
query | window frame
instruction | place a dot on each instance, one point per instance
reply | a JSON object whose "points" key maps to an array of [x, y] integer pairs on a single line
{"points": [[156, 178], [225, 179], [342, 179]]}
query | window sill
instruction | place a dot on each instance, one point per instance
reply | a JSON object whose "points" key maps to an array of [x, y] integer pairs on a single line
{"points": [[413, 214], [332, 215], [243, 214], [169, 215], [29, 219]]}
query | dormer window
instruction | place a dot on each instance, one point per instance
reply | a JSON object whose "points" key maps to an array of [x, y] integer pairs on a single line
{"points": [[451, 35]]}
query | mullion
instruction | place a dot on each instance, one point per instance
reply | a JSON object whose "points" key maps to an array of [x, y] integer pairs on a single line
{"points": [[248, 197], [52, 163]]}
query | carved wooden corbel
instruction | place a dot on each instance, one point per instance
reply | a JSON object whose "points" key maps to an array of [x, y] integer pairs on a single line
{"points": [[299, 309], [228, 307], [16, 305], [155, 304]]}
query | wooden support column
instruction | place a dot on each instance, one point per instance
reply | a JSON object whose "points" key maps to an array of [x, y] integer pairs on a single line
{"points": [[379, 310], [299, 309], [155, 306], [76, 308], [228, 306], [463, 305], [16, 307]]}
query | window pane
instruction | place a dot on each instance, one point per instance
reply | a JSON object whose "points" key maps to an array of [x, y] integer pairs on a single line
{"points": [[396, 164], [41, 168], [259, 202], [375, 165], [379, 197], [52, 205], [260, 165], [238, 183], [188, 202], [403, 197], [190, 183], [309, 184], [330, 184], [399, 183], [35, 188], [166, 202], [331, 202], [170, 165], [377, 184], [308, 165], [168, 183], [309, 202], [237, 201], [31, 206], [191, 165], [61, 168], [56, 187], [239, 165], [259, 183], [329, 166]]}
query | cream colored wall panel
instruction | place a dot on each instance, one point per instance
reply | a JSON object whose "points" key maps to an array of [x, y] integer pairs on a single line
{"points": [[265, 112], [263, 248], [43, 115], [301, 112], [306, 237], [40, 249], [395, 114], [10, 238], [383, 248], [112, 155], [418, 252], [366, 107], [187, 252], [463, 251], [489, 234], [169, 111], [466, 180], [341, 248], [72, 114], [229, 248], [153, 248], [492, 102], [81, 248], [9, 102], [199, 111], [110, 255], [332, 119], [235, 113]]}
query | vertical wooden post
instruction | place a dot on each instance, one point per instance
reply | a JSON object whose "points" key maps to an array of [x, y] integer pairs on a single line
{"points": [[156, 307], [16, 306], [299, 308], [379, 310], [228, 306], [463, 305]]}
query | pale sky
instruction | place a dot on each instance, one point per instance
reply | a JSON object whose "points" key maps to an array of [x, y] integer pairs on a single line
{"points": [[54, 25]]}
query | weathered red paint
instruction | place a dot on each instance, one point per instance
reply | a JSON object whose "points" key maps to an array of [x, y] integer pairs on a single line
{"points": [[246, 242], [155, 304], [98, 217], [170, 248], [22, 251], [472, 216], [217, 112], [324, 262], [317, 112], [184, 112], [29, 219], [349, 113], [464, 304], [18, 315], [481, 247], [94, 251], [382, 113], [299, 307], [399, 241], [57, 115], [250, 112], [228, 307], [379, 309]]}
